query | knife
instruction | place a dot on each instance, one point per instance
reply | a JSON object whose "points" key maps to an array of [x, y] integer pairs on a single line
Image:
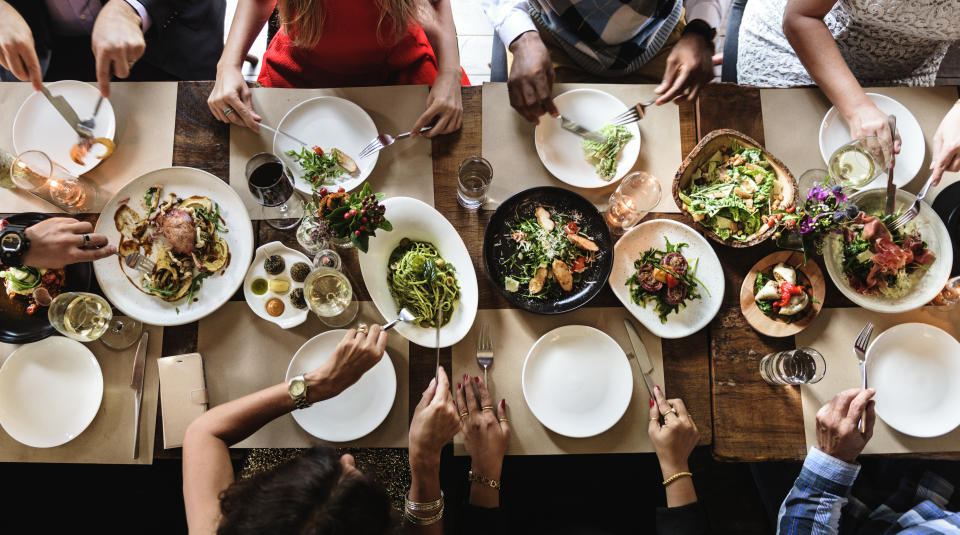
{"points": [[136, 383], [891, 187], [575, 128], [640, 353], [436, 369], [67, 112]]}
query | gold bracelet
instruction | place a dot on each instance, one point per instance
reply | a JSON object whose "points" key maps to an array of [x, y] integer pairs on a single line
{"points": [[477, 478], [674, 477], [423, 521], [424, 507]]}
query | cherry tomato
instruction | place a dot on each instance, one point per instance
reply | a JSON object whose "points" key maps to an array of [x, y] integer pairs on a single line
{"points": [[572, 228], [579, 264], [31, 308], [672, 281], [791, 209], [318, 150]]}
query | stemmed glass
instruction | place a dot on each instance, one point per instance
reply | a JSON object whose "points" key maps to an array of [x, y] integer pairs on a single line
{"points": [[86, 317], [33, 171], [637, 194], [272, 187], [857, 163]]}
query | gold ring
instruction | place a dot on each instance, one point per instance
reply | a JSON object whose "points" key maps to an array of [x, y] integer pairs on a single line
{"points": [[487, 408], [227, 111], [674, 411], [464, 414], [363, 329], [655, 419], [503, 419]]}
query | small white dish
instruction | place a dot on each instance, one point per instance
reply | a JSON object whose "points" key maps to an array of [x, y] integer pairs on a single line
{"points": [[577, 381], [560, 150], [418, 221], [834, 133], [698, 313], [292, 316], [50, 391], [327, 122], [915, 369], [38, 125], [356, 411]]}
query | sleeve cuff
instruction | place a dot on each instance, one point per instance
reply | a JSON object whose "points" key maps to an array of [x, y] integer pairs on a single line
{"points": [[142, 11], [706, 11], [831, 468], [516, 22]]}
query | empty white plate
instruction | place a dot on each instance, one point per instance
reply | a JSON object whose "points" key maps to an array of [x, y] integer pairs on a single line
{"points": [[356, 411], [560, 150], [915, 369], [577, 381], [835, 133], [50, 391], [38, 125]]}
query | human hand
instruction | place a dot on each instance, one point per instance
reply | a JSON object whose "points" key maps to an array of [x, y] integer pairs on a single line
{"points": [[837, 433], [433, 425], [17, 52], [117, 42], [867, 120], [444, 107], [689, 68], [356, 353], [486, 432], [59, 241], [946, 145], [230, 92], [531, 78], [675, 439]]}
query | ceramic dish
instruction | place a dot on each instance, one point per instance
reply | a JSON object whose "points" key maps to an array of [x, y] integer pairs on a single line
{"points": [[292, 316], [808, 275], [947, 206]]}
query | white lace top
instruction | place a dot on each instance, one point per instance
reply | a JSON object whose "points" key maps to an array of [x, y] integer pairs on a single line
{"points": [[884, 42]]}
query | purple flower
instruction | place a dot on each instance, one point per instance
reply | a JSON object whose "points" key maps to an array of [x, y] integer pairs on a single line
{"points": [[808, 224], [818, 193]]}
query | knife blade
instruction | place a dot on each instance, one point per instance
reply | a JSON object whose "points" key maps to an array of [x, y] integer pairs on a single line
{"points": [[436, 369], [891, 187], [136, 383], [640, 354], [575, 128], [66, 111]]}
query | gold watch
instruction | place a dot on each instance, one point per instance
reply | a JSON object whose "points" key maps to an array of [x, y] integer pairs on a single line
{"points": [[297, 388]]}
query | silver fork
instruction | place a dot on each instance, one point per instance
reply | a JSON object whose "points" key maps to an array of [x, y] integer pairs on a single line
{"points": [[914, 209], [90, 123], [139, 262], [860, 350], [484, 350], [632, 115], [383, 141]]}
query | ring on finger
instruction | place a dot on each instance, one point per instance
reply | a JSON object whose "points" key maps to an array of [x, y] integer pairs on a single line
{"points": [[86, 240], [363, 329], [227, 111], [464, 414], [503, 419], [487, 408], [672, 410]]}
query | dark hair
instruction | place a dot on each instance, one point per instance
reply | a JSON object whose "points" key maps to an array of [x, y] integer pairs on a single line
{"points": [[308, 495]]}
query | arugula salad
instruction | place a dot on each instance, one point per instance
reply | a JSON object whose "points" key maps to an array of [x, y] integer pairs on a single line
{"points": [[665, 277], [604, 155], [324, 168]]}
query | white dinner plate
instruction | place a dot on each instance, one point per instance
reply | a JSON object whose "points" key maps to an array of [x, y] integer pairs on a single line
{"points": [[38, 125], [577, 381], [292, 316], [834, 133], [327, 122], [356, 411], [418, 221], [915, 369], [698, 313], [217, 289], [560, 150], [50, 391]]}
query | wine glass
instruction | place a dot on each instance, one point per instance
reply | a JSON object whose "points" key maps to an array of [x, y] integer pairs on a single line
{"points": [[272, 187], [814, 177], [329, 295], [122, 333], [857, 163], [86, 317], [33, 171], [637, 194]]}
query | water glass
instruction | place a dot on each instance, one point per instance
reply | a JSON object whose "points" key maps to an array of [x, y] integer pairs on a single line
{"points": [[814, 177], [950, 295], [33, 171], [857, 163], [473, 181], [637, 194], [271, 185], [803, 365]]}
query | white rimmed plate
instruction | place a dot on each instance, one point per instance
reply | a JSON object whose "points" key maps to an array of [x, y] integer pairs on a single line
{"points": [[698, 313], [356, 411], [560, 150], [292, 316], [50, 391], [327, 122], [418, 221], [834, 133], [915, 369], [577, 381], [38, 125], [112, 274]]}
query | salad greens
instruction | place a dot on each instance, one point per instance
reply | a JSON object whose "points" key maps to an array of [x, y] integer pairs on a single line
{"points": [[22, 278], [604, 155], [665, 277], [320, 168]]}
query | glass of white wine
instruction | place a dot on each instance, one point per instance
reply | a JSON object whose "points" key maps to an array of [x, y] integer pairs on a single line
{"points": [[329, 295], [79, 315], [857, 163]]}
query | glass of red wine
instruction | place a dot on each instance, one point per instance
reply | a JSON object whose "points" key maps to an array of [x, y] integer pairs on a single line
{"points": [[272, 187]]}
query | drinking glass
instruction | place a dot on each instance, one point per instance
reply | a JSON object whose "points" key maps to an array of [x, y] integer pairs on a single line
{"points": [[814, 177], [33, 171], [81, 316], [857, 163], [329, 295], [637, 194], [950, 295], [272, 187], [803, 365], [473, 181], [122, 333]]}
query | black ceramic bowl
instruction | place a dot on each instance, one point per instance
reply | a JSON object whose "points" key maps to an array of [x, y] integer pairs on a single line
{"points": [[947, 206], [497, 246], [17, 327]]}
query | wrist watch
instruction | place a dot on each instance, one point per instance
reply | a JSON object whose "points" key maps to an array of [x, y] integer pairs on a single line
{"points": [[13, 243], [297, 388], [700, 27]]}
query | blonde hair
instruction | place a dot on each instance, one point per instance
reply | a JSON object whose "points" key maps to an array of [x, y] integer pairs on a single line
{"points": [[303, 19]]}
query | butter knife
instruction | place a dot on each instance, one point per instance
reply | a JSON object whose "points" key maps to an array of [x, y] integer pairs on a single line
{"points": [[67, 112], [640, 354], [891, 187], [436, 369], [136, 383], [575, 128]]}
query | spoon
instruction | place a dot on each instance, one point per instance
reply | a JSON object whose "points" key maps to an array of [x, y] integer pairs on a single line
{"points": [[405, 316]]}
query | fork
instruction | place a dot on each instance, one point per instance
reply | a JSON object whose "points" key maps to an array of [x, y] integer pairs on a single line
{"points": [[383, 141], [632, 115], [139, 262], [484, 350], [90, 123], [914, 209], [860, 350]]}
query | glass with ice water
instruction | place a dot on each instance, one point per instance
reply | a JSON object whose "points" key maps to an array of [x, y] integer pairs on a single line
{"points": [[803, 365], [473, 181]]}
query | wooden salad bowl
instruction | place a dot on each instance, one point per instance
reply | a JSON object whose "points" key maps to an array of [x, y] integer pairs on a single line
{"points": [[699, 156], [808, 274]]}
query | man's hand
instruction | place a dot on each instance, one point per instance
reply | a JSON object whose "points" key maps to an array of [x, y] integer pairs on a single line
{"points": [[17, 53], [58, 241], [117, 42], [531, 78], [689, 68], [837, 433]]}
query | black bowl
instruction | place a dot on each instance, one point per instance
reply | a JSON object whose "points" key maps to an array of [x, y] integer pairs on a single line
{"points": [[496, 245], [947, 206], [20, 328]]}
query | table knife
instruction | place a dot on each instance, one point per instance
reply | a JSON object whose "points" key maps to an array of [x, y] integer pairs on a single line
{"points": [[136, 383], [891, 187], [67, 112], [436, 369], [640, 354], [575, 128]]}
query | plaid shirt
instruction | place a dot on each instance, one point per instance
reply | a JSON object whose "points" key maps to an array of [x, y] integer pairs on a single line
{"points": [[814, 503]]}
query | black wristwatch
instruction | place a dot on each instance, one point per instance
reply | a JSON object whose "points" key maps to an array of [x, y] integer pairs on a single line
{"points": [[700, 27], [13, 243]]}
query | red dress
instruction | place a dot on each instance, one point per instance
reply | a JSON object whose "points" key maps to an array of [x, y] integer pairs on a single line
{"points": [[350, 54]]}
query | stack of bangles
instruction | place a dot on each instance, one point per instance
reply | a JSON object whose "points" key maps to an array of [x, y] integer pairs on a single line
{"points": [[423, 513]]}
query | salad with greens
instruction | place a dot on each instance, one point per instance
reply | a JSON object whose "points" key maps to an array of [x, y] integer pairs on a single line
{"points": [[665, 277], [324, 168], [604, 155]]}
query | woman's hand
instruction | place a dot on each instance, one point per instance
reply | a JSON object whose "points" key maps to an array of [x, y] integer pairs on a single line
{"points": [[230, 92], [17, 52], [433, 426], [444, 107], [486, 431], [356, 353], [689, 68], [59, 241], [675, 439], [946, 145], [867, 120]]}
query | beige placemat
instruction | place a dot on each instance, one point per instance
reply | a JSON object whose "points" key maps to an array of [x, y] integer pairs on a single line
{"points": [[792, 117], [109, 438], [509, 146], [515, 332], [243, 353], [146, 114], [406, 169], [833, 333]]}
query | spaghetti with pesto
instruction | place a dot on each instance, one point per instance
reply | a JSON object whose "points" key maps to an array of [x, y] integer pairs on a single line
{"points": [[423, 282]]}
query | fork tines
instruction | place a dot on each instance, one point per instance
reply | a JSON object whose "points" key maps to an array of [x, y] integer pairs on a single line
{"points": [[906, 217], [372, 147], [864, 337], [630, 116]]}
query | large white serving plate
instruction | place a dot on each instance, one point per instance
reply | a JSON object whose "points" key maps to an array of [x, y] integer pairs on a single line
{"points": [[698, 313], [560, 150], [577, 381], [327, 122], [418, 221], [356, 411], [38, 125], [915, 369], [50, 391], [835, 133], [217, 289]]}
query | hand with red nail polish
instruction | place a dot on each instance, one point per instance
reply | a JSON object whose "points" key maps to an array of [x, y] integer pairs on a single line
{"points": [[486, 433]]}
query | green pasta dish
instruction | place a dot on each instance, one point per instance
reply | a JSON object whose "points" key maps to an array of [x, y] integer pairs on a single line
{"points": [[604, 155], [423, 282]]}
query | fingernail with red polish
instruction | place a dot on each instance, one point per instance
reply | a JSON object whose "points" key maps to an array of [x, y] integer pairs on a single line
{"points": [[651, 399], [465, 377], [477, 378], [503, 403], [458, 388], [656, 387]]}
